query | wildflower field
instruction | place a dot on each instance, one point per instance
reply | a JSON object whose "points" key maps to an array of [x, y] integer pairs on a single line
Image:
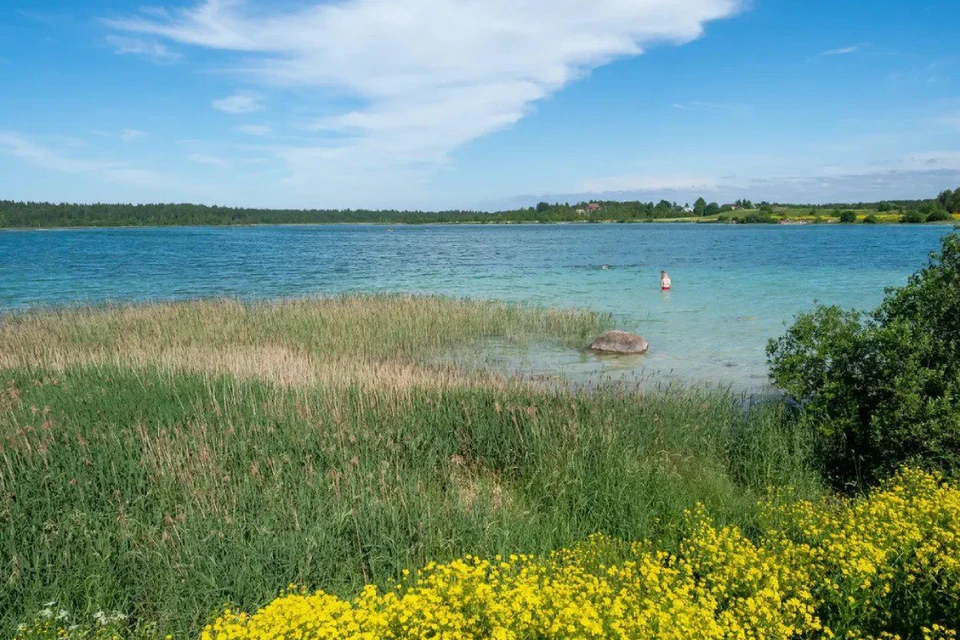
{"points": [[884, 566], [887, 566]]}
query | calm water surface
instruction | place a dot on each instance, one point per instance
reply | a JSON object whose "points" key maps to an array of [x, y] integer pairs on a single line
{"points": [[734, 286]]}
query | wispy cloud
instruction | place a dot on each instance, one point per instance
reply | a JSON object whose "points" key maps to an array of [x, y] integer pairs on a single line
{"points": [[647, 183], [26, 149], [150, 49], [126, 135], [210, 160], [931, 72], [20, 146], [255, 129], [842, 51], [699, 105], [239, 103], [930, 160], [54, 19], [910, 175], [429, 75], [130, 135], [952, 120]]}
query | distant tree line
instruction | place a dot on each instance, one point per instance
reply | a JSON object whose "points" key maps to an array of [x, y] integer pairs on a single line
{"points": [[45, 215]]}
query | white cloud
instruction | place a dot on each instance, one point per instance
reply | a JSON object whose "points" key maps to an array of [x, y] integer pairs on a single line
{"points": [[952, 120], [699, 105], [126, 135], [646, 183], [40, 155], [209, 160], [842, 51], [255, 129], [930, 160], [150, 49], [130, 135], [429, 75], [238, 103]]}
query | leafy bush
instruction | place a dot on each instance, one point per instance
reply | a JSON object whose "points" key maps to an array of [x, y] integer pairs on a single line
{"points": [[913, 217], [871, 219], [939, 215], [881, 389], [848, 217], [758, 218]]}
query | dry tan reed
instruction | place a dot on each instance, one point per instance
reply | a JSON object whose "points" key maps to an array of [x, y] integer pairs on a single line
{"points": [[378, 341]]}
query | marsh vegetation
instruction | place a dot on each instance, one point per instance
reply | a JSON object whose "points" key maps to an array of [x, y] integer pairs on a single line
{"points": [[162, 460]]}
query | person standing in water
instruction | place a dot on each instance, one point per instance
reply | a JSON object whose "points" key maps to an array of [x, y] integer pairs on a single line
{"points": [[664, 281]]}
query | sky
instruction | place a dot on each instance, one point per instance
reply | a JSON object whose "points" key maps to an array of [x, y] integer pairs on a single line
{"points": [[477, 104]]}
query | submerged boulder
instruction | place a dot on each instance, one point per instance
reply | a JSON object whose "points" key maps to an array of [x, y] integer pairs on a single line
{"points": [[617, 341]]}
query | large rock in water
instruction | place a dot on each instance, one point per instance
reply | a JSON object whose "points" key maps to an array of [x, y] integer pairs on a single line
{"points": [[617, 341]]}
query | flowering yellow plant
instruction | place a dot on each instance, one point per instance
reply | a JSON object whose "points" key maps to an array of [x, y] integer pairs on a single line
{"points": [[885, 566], [882, 567]]}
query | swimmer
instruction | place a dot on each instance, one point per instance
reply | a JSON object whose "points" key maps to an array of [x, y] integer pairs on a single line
{"points": [[664, 281]]}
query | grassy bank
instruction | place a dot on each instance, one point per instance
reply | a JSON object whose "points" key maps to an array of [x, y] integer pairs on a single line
{"points": [[164, 460]]}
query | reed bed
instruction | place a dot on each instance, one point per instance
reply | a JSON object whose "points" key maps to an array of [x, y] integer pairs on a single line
{"points": [[385, 340], [164, 460], [358, 326]]}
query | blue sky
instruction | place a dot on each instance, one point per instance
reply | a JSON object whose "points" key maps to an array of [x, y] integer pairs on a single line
{"points": [[477, 103]]}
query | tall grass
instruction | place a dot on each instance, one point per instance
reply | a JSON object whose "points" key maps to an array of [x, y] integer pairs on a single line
{"points": [[362, 326], [375, 340], [165, 490]]}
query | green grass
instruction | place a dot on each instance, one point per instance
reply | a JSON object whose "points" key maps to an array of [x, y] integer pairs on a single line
{"points": [[165, 489]]}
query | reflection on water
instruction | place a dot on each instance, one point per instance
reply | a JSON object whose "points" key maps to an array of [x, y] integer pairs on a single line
{"points": [[734, 287]]}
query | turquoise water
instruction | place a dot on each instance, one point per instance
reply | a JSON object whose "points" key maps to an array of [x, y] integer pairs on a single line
{"points": [[734, 286]]}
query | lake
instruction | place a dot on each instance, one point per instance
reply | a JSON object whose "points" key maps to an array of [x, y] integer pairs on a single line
{"points": [[734, 286]]}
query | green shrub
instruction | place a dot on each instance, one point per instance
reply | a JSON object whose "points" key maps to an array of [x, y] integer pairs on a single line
{"points": [[881, 389], [758, 218], [939, 215], [913, 217], [848, 217], [871, 219]]}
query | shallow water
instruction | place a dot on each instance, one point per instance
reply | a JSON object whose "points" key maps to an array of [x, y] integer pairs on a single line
{"points": [[734, 286]]}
